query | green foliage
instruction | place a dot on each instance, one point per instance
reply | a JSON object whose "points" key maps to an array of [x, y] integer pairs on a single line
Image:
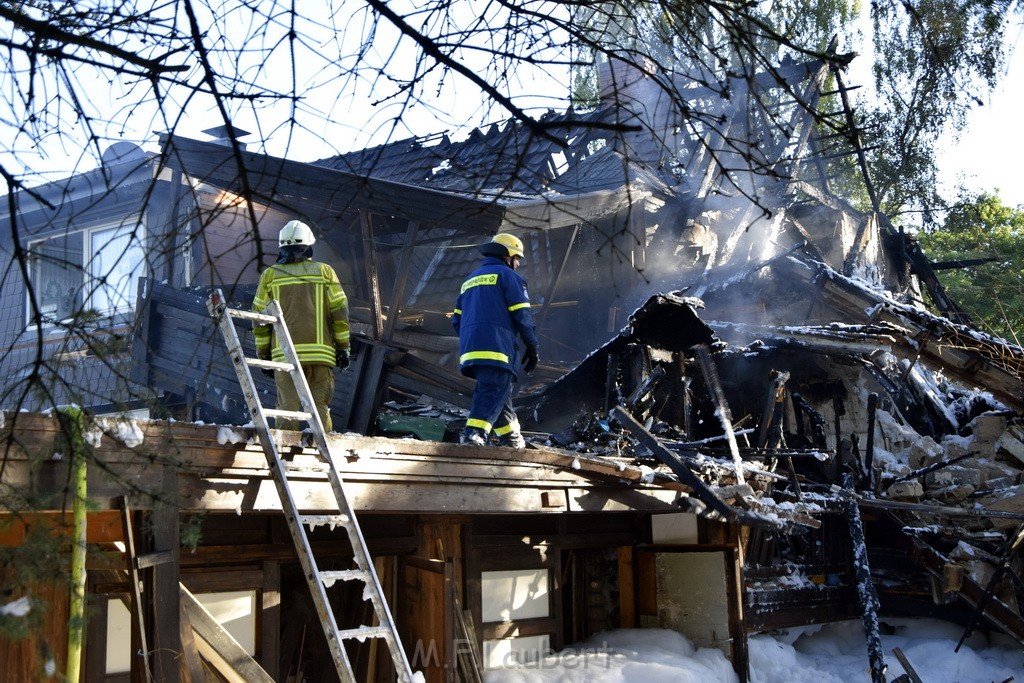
{"points": [[992, 294], [932, 58], [190, 531]]}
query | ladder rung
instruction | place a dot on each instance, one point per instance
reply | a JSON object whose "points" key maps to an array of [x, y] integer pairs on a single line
{"points": [[364, 632], [328, 578], [336, 520], [269, 364], [286, 414], [261, 318]]}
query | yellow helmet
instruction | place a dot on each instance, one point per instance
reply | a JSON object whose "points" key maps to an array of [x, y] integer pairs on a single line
{"points": [[503, 244]]}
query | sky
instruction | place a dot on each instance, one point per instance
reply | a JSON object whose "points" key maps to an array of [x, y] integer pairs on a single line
{"points": [[835, 653], [988, 155], [354, 110]]}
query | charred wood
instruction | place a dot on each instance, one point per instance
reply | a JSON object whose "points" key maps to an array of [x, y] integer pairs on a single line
{"points": [[646, 386], [869, 447], [866, 591], [961, 263], [707, 497], [1012, 547], [934, 467], [817, 420], [910, 675], [714, 386]]}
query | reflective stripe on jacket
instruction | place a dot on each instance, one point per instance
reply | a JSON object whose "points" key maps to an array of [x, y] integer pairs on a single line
{"points": [[492, 309], [315, 309]]}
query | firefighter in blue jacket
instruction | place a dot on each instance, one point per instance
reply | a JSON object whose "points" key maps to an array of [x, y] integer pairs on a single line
{"points": [[491, 314]]}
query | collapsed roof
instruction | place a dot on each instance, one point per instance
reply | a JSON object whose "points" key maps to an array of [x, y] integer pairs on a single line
{"points": [[773, 327]]}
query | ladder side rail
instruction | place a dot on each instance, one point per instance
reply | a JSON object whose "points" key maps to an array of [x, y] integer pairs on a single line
{"points": [[288, 505], [284, 340], [364, 561], [355, 534]]}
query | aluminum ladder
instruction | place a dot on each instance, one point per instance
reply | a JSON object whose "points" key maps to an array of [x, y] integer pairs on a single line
{"points": [[345, 517]]}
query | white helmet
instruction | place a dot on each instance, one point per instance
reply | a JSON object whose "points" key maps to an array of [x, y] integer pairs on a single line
{"points": [[295, 232]]}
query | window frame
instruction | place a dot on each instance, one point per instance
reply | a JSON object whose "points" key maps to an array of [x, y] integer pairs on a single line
{"points": [[88, 286]]}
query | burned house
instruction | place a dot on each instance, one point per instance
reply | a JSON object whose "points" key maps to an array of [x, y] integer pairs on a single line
{"points": [[745, 418]]}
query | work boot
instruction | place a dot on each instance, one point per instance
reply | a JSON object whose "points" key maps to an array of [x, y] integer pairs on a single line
{"points": [[473, 435], [512, 440]]}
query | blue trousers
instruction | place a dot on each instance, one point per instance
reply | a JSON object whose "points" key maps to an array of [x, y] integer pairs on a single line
{"points": [[492, 402]]}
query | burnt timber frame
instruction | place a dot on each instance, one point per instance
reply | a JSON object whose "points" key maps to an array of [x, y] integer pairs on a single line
{"points": [[180, 469]]}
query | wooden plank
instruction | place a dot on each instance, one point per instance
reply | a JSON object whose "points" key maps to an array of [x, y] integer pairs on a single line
{"points": [[470, 658], [647, 583], [683, 471], [416, 367], [423, 608], [369, 389], [213, 581], [865, 591], [285, 552], [239, 664]]}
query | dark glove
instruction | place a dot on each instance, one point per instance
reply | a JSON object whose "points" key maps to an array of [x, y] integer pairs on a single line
{"points": [[342, 358], [264, 354], [530, 359]]}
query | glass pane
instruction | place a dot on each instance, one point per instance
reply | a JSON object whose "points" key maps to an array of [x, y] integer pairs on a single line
{"points": [[119, 637], [236, 612], [56, 268], [516, 651], [115, 267], [514, 594]]}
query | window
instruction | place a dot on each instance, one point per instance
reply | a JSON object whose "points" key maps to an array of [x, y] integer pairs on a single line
{"points": [[234, 610], [515, 596], [115, 268], [56, 268], [93, 270]]}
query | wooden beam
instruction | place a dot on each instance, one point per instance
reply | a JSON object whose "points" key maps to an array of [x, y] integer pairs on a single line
{"points": [[96, 635], [270, 618], [166, 611], [218, 646], [136, 606], [372, 279], [736, 596], [627, 589], [104, 526], [191, 661], [218, 470], [402, 276]]}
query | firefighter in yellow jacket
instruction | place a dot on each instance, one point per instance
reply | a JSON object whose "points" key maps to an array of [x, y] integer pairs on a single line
{"points": [[315, 310]]}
